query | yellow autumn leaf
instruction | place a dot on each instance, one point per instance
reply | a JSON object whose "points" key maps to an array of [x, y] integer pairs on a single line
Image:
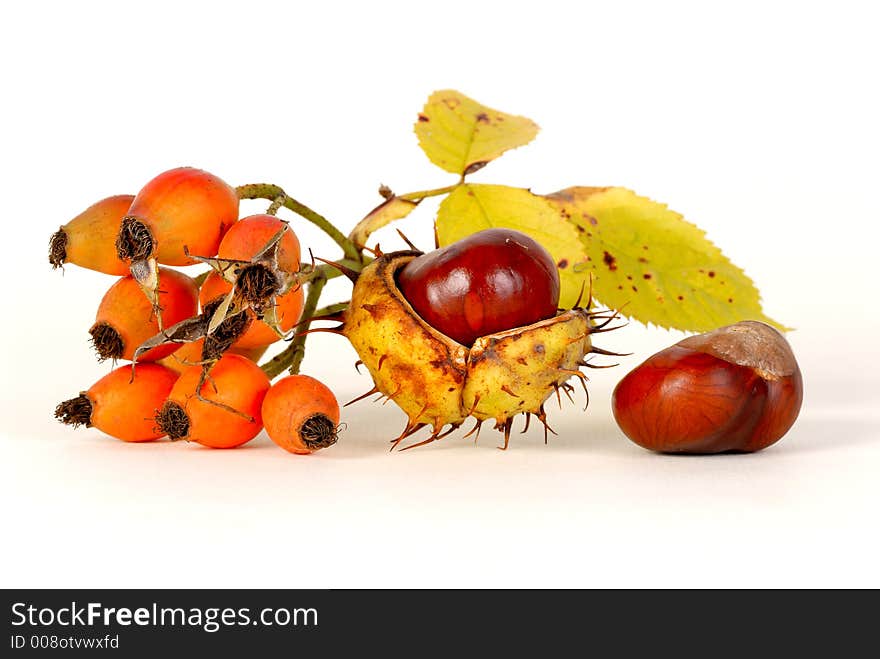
{"points": [[460, 135], [661, 267], [471, 208], [393, 208]]}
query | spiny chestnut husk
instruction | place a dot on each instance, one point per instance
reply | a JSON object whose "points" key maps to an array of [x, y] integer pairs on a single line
{"points": [[440, 382]]}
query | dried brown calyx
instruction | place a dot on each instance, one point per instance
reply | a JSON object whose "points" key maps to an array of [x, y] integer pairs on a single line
{"points": [[173, 420], [217, 341], [256, 284], [318, 431], [107, 341], [75, 412], [134, 241], [58, 248], [225, 334]]}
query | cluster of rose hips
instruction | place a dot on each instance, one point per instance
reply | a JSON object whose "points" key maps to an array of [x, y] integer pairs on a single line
{"points": [[192, 343]]}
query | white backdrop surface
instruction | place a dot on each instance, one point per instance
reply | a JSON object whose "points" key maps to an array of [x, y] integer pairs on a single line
{"points": [[757, 122]]}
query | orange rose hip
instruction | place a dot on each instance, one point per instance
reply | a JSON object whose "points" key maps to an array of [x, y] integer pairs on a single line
{"points": [[224, 412], [89, 239], [120, 405], [181, 208], [301, 414], [125, 317]]}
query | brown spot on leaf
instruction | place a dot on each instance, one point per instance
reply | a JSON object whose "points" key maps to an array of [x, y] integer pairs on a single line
{"points": [[562, 195], [635, 290], [483, 118], [711, 273], [475, 167], [647, 275], [681, 297], [630, 277], [642, 259], [579, 228], [730, 299], [610, 261], [589, 218], [424, 118], [620, 288], [562, 264]]}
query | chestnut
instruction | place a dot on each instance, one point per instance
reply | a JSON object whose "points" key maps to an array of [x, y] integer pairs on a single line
{"points": [[488, 282], [734, 389]]}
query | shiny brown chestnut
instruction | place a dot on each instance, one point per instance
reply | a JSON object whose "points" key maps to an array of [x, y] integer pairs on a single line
{"points": [[490, 281], [737, 388]]}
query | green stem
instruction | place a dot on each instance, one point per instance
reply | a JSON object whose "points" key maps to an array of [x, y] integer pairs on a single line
{"points": [[291, 358], [331, 309], [275, 205], [424, 194], [274, 192]]}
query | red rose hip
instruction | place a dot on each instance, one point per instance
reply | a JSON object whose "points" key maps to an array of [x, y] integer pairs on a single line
{"points": [[491, 281], [737, 388]]}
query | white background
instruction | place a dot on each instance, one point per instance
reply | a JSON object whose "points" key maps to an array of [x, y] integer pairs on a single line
{"points": [[758, 121]]}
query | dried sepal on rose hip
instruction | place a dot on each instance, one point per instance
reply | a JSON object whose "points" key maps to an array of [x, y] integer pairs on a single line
{"points": [[122, 404], [192, 354], [218, 407], [228, 321], [125, 318], [734, 389], [89, 239], [258, 259], [213, 342], [287, 310], [301, 415], [472, 289]]}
